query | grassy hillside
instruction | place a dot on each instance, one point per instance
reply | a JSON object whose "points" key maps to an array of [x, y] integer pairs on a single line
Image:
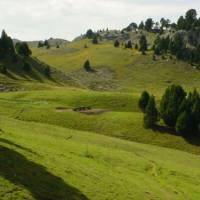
{"points": [[50, 151], [119, 115], [119, 69], [16, 78], [40, 161]]}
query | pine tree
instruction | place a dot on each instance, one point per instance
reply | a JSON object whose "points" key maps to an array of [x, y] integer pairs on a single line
{"points": [[116, 44], [90, 34], [87, 66], [143, 44], [151, 114], [170, 104], [47, 71], [182, 124], [40, 44], [143, 101], [26, 67], [128, 45], [6, 45], [95, 39], [149, 24], [22, 49], [141, 25]]}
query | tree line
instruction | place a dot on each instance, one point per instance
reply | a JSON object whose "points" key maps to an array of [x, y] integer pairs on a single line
{"points": [[15, 52], [178, 109], [8, 49], [177, 46], [189, 21]]}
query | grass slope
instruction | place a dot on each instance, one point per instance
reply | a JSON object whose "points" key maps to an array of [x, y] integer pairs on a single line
{"points": [[121, 119], [119, 69], [40, 161]]}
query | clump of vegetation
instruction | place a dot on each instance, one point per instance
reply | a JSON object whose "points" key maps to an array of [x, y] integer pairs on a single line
{"points": [[151, 113], [128, 45], [82, 108], [95, 39], [87, 66], [6, 46], [179, 110], [26, 67], [47, 71], [143, 44], [40, 44], [116, 43], [143, 101], [22, 49], [177, 45], [4, 70], [90, 34]]}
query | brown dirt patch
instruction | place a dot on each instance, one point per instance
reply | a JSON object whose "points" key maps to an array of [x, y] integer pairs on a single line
{"points": [[87, 111], [93, 111]]}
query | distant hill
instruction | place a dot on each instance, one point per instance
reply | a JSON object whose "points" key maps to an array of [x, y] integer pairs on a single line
{"points": [[52, 42]]}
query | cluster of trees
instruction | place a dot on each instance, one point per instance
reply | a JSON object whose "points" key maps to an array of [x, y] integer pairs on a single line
{"points": [[6, 46], [189, 21], [22, 49], [45, 44], [18, 52], [178, 47], [129, 45], [8, 49], [178, 110], [91, 35]]}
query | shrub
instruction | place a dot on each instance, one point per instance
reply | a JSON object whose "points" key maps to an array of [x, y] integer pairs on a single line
{"points": [[116, 44], [151, 114], [4, 70], [143, 101], [26, 67], [87, 66], [47, 71]]}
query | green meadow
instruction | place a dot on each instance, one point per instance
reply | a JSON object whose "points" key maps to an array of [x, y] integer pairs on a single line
{"points": [[48, 151]]}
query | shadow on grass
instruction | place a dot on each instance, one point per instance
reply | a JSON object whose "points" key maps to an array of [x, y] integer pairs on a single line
{"points": [[35, 178], [5, 141], [165, 130], [191, 138]]}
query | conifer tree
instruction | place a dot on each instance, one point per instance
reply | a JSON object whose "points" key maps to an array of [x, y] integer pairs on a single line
{"points": [[170, 104], [143, 101], [116, 43], [151, 114], [143, 44]]}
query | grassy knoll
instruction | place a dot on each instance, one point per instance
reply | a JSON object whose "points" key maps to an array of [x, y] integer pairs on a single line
{"points": [[119, 69], [48, 162]]}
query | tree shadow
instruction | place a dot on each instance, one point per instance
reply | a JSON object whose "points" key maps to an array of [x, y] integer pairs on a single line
{"points": [[35, 178], [5, 141], [192, 138], [165, 130]]}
